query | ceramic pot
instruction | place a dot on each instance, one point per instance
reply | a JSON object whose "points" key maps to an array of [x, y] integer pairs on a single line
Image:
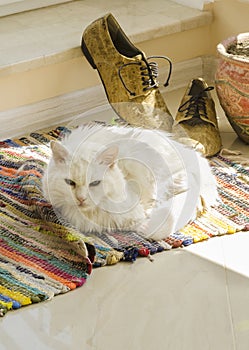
{"points": [[232, 83]]}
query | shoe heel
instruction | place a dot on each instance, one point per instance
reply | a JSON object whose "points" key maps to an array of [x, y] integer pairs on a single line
{"points": [[87, 54]]}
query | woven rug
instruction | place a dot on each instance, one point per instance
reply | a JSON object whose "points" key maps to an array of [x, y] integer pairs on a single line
{"points": [[41, 256]]}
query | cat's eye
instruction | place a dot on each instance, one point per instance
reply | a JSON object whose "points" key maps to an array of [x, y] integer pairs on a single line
{"points": [[70, 182], [95, 183]]}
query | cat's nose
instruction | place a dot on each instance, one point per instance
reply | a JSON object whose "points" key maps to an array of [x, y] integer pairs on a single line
{"points": [[81, 200]]}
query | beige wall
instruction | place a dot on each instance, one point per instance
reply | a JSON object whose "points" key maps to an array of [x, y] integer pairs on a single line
{"points": [[34, 85], [181, 46], [230, 18]]}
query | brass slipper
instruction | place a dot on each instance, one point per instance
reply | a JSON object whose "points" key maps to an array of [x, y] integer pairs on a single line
{"points": [[129, 78], [197, 116]]}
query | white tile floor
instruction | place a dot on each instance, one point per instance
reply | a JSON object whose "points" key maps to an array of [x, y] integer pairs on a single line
{"points": [[196, 298]]}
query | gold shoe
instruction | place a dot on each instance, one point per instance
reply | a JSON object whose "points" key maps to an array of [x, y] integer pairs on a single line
{"points": [[128, 77], [197, 116]]}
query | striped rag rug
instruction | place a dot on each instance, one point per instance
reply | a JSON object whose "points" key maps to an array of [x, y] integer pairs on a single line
{"points": [[41, 256]]}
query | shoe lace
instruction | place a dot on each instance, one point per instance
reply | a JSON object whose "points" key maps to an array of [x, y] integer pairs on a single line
{"points": [[149, 73], [196, 105]]}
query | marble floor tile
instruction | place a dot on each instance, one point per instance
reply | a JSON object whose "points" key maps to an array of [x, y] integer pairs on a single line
{"points": [[179, 301]]}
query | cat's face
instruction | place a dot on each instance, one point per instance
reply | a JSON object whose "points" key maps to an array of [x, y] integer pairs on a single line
{"points": [[84, 181]]}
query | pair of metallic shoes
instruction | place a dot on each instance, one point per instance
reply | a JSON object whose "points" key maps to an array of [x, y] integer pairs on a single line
{"points": [[131, 86]]}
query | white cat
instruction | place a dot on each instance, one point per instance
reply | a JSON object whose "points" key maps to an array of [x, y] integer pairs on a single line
{"points": [[103, 178]]}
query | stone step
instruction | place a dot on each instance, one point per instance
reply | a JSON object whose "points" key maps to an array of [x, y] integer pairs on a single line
{"points": [[37, 38]]}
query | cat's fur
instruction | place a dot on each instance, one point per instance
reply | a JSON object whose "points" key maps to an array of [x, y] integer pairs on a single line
{"points": [[102, 178]]}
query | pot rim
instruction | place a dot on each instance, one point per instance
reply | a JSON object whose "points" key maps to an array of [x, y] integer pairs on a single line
{"points": [[223, 45]]}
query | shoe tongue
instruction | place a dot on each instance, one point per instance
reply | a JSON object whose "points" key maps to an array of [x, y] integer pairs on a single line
{"points": [[203, 94]]}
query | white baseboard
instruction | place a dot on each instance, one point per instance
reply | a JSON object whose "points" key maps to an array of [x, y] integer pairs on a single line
{"points": [[65, 108]]}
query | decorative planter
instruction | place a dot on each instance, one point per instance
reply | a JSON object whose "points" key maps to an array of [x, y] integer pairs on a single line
{"points": [[232, 82]]}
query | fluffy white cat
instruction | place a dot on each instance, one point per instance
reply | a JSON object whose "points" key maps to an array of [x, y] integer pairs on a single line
{"points": [[103, 178]]}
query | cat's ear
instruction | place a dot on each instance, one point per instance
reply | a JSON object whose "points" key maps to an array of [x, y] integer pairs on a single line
{"points": [[60, 153], [108, 156]]}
